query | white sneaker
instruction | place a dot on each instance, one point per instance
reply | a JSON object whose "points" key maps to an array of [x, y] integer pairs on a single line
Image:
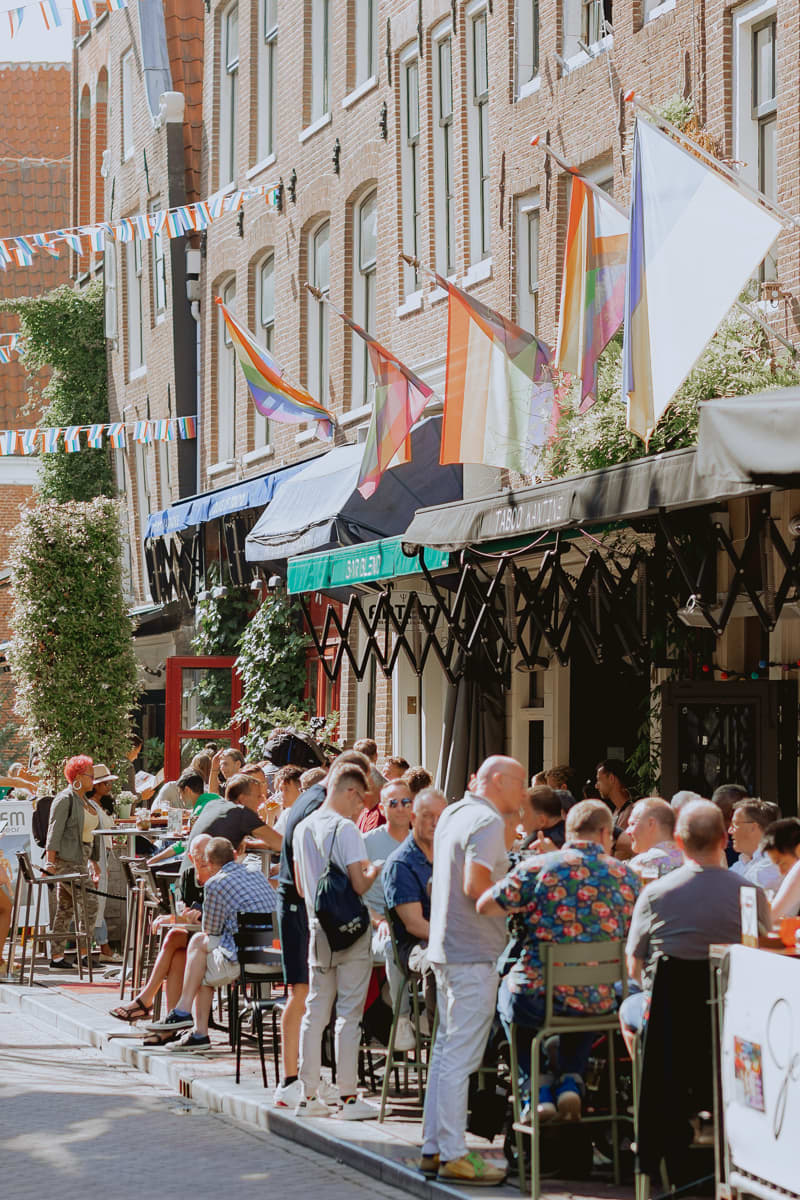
{"points": [[404, 1038], [289, 1096], [313, 1108], [329, 1093], [357, 1109]]}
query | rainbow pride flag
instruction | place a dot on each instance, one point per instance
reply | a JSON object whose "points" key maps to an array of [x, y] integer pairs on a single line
{"points": [[498, 390], [400, 398], [592, 286], [272, 395]]}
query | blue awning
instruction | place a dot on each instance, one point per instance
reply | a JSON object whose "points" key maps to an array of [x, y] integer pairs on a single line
{"points": [[237, 497]]}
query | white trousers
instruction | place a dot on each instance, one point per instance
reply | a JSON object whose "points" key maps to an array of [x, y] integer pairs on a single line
{"points": [[466, 995], [341, 978]]}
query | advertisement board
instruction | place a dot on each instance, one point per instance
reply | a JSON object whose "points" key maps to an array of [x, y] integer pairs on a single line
{"points": [[16, 834]]}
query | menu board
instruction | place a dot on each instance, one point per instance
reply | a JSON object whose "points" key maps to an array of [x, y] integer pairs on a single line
{"points": [[16, 817]]}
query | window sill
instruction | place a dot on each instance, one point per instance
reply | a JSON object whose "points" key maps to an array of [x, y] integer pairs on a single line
{"points": [[224, 189], [411, 304], [261, 166], [258, 455], [315, 127], [533, 85], [306, 437], [362, 90], [665, 7], [581, 58], [139, 373], [127, 157], [437, 294], [355, 416], [478, 273], [221, 468]]}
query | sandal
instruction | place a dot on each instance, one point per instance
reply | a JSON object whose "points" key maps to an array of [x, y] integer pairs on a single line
{"points": [[161, 1039], [134, 1011]]}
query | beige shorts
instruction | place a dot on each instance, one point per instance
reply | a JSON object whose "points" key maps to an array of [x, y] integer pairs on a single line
{"points": [[220, 971]]}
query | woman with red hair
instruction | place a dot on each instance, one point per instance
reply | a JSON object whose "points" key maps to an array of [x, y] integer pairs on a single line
{"points": [[71, 847]]}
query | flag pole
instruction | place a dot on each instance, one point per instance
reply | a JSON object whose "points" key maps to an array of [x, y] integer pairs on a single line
{"points": [[562, 162], [788, 218], [759, 320]]}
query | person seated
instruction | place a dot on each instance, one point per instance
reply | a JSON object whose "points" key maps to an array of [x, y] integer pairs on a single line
{"points": [[578, 893], [406, 880], [781, 844], [169, 965], [211, 960], [651, 829], [311, 776], [193, 796], [395, 767], [687, 911], [749, 821], [236, 816], [560, 779], [725, 796], [544, 821], [224, 765], [287, 786], [417, 779]]}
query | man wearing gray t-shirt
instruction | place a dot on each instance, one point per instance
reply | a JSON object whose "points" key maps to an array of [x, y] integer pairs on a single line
{"points": [[469, 856]]}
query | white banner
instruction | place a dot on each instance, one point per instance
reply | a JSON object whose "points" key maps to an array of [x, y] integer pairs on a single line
{"points": [[761, 1065], [16, 817]]}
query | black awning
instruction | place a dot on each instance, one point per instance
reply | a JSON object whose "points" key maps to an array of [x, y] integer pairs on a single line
{"points": [[625, 492], [753, 439]]}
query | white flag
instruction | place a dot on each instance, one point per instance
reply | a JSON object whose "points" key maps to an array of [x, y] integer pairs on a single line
{"points": [[694, 242]]}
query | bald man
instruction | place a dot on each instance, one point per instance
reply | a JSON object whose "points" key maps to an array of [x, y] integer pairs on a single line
{"points": [[469, 855]]}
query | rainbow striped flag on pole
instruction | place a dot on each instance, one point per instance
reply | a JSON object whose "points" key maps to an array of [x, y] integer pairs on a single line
{"points": [[593, 284], [272, 395], [498, 390], [400, 398]]}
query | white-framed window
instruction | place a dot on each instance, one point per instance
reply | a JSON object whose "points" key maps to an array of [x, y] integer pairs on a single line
{"points": [[142, 508], [443, 163], [587, 22], [229, 93], [365, 239], [317, 355], [320, 59], [226, 380], [110, 290], [478, 136], [159, 244], [127, 72], [527, 261], [411, 188], [755, 104], [135, 323], [527, 41], [265, 324], [267, 77], [366, 39], [165, 489]]}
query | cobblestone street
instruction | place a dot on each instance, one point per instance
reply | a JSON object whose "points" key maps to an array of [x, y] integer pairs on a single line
{"points": [[72, 1123]]}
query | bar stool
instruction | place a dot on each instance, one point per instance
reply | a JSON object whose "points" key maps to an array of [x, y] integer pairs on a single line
{"points": [[143, 903], [405, 1059], [76, 882]]}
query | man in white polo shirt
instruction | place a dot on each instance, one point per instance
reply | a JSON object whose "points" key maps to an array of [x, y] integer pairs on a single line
{"points": [[469, 856]]}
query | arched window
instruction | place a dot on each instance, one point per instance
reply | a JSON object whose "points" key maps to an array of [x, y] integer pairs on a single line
{"points": [[226, 379]]}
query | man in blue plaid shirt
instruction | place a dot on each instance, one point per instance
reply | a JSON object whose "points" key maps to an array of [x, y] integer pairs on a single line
{"points": [[211, 960]]}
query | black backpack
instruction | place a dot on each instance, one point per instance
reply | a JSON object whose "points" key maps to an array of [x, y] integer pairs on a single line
{"points": [[41, 819], [340, 911], [288, 746]]}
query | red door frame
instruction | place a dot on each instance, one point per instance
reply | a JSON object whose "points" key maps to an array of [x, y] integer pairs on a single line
{"points": [[173, 732]]}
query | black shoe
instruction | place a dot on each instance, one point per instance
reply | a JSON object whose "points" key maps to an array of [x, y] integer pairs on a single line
{"points": [[62, 964], [172, 1022]]}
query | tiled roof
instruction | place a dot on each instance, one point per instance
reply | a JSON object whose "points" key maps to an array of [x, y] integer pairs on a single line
{"points": [[35, 100]]}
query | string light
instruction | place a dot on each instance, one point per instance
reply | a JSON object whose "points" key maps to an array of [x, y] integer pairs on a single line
{"points": [[727, 673]]}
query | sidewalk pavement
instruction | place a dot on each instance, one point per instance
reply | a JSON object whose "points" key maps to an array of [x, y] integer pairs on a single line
{"points": [[387, 1152]]}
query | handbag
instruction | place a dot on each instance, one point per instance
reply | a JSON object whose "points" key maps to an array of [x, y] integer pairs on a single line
{"points": [[341, 913]]}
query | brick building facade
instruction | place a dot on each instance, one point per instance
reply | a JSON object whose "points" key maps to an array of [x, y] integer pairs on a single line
{"points": [[392, 126]]}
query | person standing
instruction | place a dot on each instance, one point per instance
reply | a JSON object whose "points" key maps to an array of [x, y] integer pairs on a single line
{"points": [[611, 786], [469, 857], [72, 846]]}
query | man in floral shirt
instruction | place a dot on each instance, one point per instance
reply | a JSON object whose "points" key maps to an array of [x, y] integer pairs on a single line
{"points": [[577, 894]]}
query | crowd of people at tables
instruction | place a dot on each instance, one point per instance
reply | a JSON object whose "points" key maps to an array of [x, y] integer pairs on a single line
{"points": [[461, 894]]}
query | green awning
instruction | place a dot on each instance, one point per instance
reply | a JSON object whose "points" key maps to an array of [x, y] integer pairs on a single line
{"points": [[347, 566]]}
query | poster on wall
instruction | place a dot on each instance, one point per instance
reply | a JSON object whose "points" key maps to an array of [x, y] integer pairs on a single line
{"points": [[16, 833], [761, 1066]]}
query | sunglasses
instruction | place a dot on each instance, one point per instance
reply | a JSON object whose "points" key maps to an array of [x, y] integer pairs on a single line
{"points": [[406, 802]]}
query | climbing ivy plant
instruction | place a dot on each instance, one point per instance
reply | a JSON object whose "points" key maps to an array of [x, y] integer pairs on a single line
{"points": [[272, 664]]}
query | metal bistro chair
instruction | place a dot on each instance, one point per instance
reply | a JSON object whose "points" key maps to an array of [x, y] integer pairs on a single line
{"points": [[76, 882], [404, 1059], [257, 966], [143, 904], [574, 964]]}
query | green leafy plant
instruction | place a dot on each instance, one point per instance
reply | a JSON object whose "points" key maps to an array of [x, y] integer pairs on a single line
{"points": [[219, 624], [272, 665], [153, 755], [63, 330], [72, 648]]}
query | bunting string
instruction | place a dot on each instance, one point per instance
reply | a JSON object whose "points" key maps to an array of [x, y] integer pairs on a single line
{"points": [[19, 249], [52, 17], [49, 441]]}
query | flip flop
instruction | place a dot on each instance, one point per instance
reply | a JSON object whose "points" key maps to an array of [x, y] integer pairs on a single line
{"points": [[134, 1011]]}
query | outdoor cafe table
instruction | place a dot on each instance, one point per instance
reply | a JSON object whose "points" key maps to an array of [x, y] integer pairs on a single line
{"points": [[131, 833]]}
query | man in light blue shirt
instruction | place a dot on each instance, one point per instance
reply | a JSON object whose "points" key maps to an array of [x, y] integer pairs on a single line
{"points": [[750, 819]]}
